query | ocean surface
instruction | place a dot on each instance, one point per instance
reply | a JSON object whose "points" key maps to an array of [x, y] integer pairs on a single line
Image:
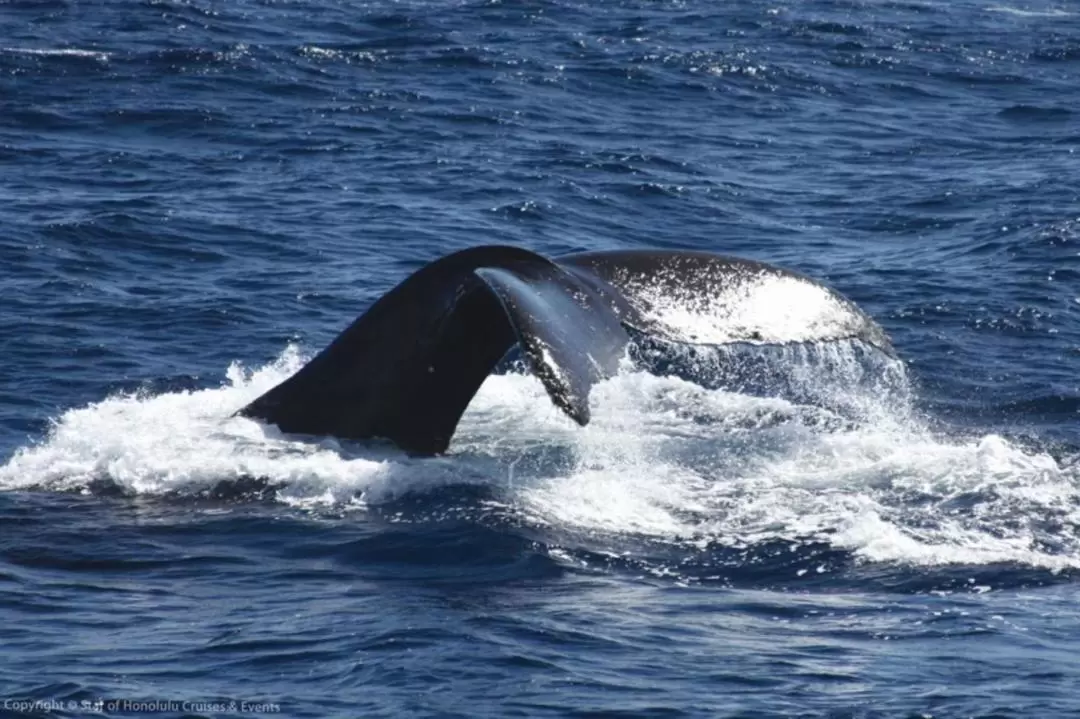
{"points": [[197, 196]]}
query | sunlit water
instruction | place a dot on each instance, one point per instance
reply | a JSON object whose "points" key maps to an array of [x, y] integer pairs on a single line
{"points": [[195, 197]]}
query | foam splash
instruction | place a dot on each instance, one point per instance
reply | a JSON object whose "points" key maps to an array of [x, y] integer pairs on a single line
{"points": [[769, 309], [663, 459], [186, 442], [711, 302]]}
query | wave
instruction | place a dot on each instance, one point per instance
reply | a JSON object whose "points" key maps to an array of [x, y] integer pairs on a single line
{"points": [[1027, 12], [665, 461], [61, 52]]}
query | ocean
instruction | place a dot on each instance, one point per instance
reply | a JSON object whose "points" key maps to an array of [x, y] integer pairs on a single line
{"points": [[197, 195]]}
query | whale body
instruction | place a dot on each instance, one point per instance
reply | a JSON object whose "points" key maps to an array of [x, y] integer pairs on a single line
{"points": [[406, 369]]}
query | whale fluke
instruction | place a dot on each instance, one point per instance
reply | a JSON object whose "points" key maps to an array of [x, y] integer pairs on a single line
{"points": [[407, 368]]}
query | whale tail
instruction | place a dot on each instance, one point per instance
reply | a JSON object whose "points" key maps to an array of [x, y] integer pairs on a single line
{"points": [[407, 368]]}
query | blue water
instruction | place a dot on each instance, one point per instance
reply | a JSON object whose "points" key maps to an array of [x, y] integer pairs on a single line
{"points": [[195, 196]]}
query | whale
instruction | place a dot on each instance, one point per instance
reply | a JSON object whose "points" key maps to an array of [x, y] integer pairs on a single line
{"points": [[406, 369]]}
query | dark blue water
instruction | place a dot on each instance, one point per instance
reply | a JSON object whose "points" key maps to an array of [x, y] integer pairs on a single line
{"points": [[194, 196]]}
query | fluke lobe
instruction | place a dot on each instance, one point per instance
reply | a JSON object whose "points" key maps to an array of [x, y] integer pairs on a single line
{"points": [[407, 368]]}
